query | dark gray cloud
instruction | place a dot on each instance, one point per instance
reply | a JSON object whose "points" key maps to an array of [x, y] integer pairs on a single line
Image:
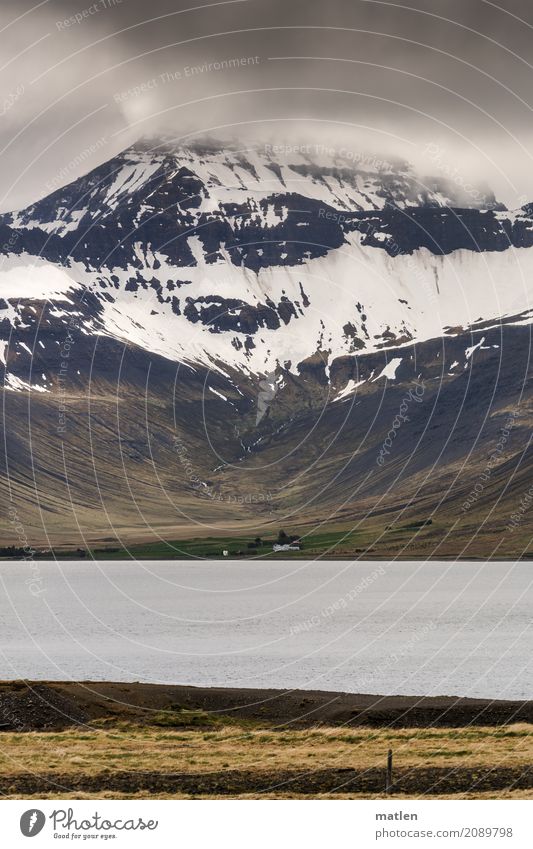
{"points": [[445, 83]]}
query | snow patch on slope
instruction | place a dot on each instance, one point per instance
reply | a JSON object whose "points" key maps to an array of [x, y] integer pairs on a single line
{"points": [[388, 301], [29, 278], [350, 387], [389, 371], [11, 381]]}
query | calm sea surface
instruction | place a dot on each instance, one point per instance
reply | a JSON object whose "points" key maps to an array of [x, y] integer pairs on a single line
{"points": [[406, 628]]}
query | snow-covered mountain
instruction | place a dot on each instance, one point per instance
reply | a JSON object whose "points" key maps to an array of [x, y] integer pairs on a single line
{"points": [[261, 258], [196, 335]]}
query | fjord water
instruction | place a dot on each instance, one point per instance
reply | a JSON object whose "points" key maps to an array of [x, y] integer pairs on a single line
{"points": [[370, 627]]}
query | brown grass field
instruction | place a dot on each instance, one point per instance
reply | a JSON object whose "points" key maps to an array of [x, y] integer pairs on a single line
{"points": [[154, 748], [270, 757]]}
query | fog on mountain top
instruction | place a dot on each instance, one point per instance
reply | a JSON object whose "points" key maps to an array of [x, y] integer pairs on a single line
{"points": [[380, 78]]}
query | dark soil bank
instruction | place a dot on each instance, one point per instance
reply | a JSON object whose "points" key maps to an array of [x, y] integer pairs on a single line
{"points": [[26, 706]]}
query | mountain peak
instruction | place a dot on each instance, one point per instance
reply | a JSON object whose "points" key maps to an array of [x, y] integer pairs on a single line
{"points": [[257, 257]]}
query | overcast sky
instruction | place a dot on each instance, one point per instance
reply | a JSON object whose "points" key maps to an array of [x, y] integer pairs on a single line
{"points": [[445, 83]]}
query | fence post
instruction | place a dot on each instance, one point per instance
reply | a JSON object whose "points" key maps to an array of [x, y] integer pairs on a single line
{"points": [[388, 783]]}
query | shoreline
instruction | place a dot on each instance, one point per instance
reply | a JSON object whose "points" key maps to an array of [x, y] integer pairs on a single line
{"points": [[69, 558], [31, 705]]}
